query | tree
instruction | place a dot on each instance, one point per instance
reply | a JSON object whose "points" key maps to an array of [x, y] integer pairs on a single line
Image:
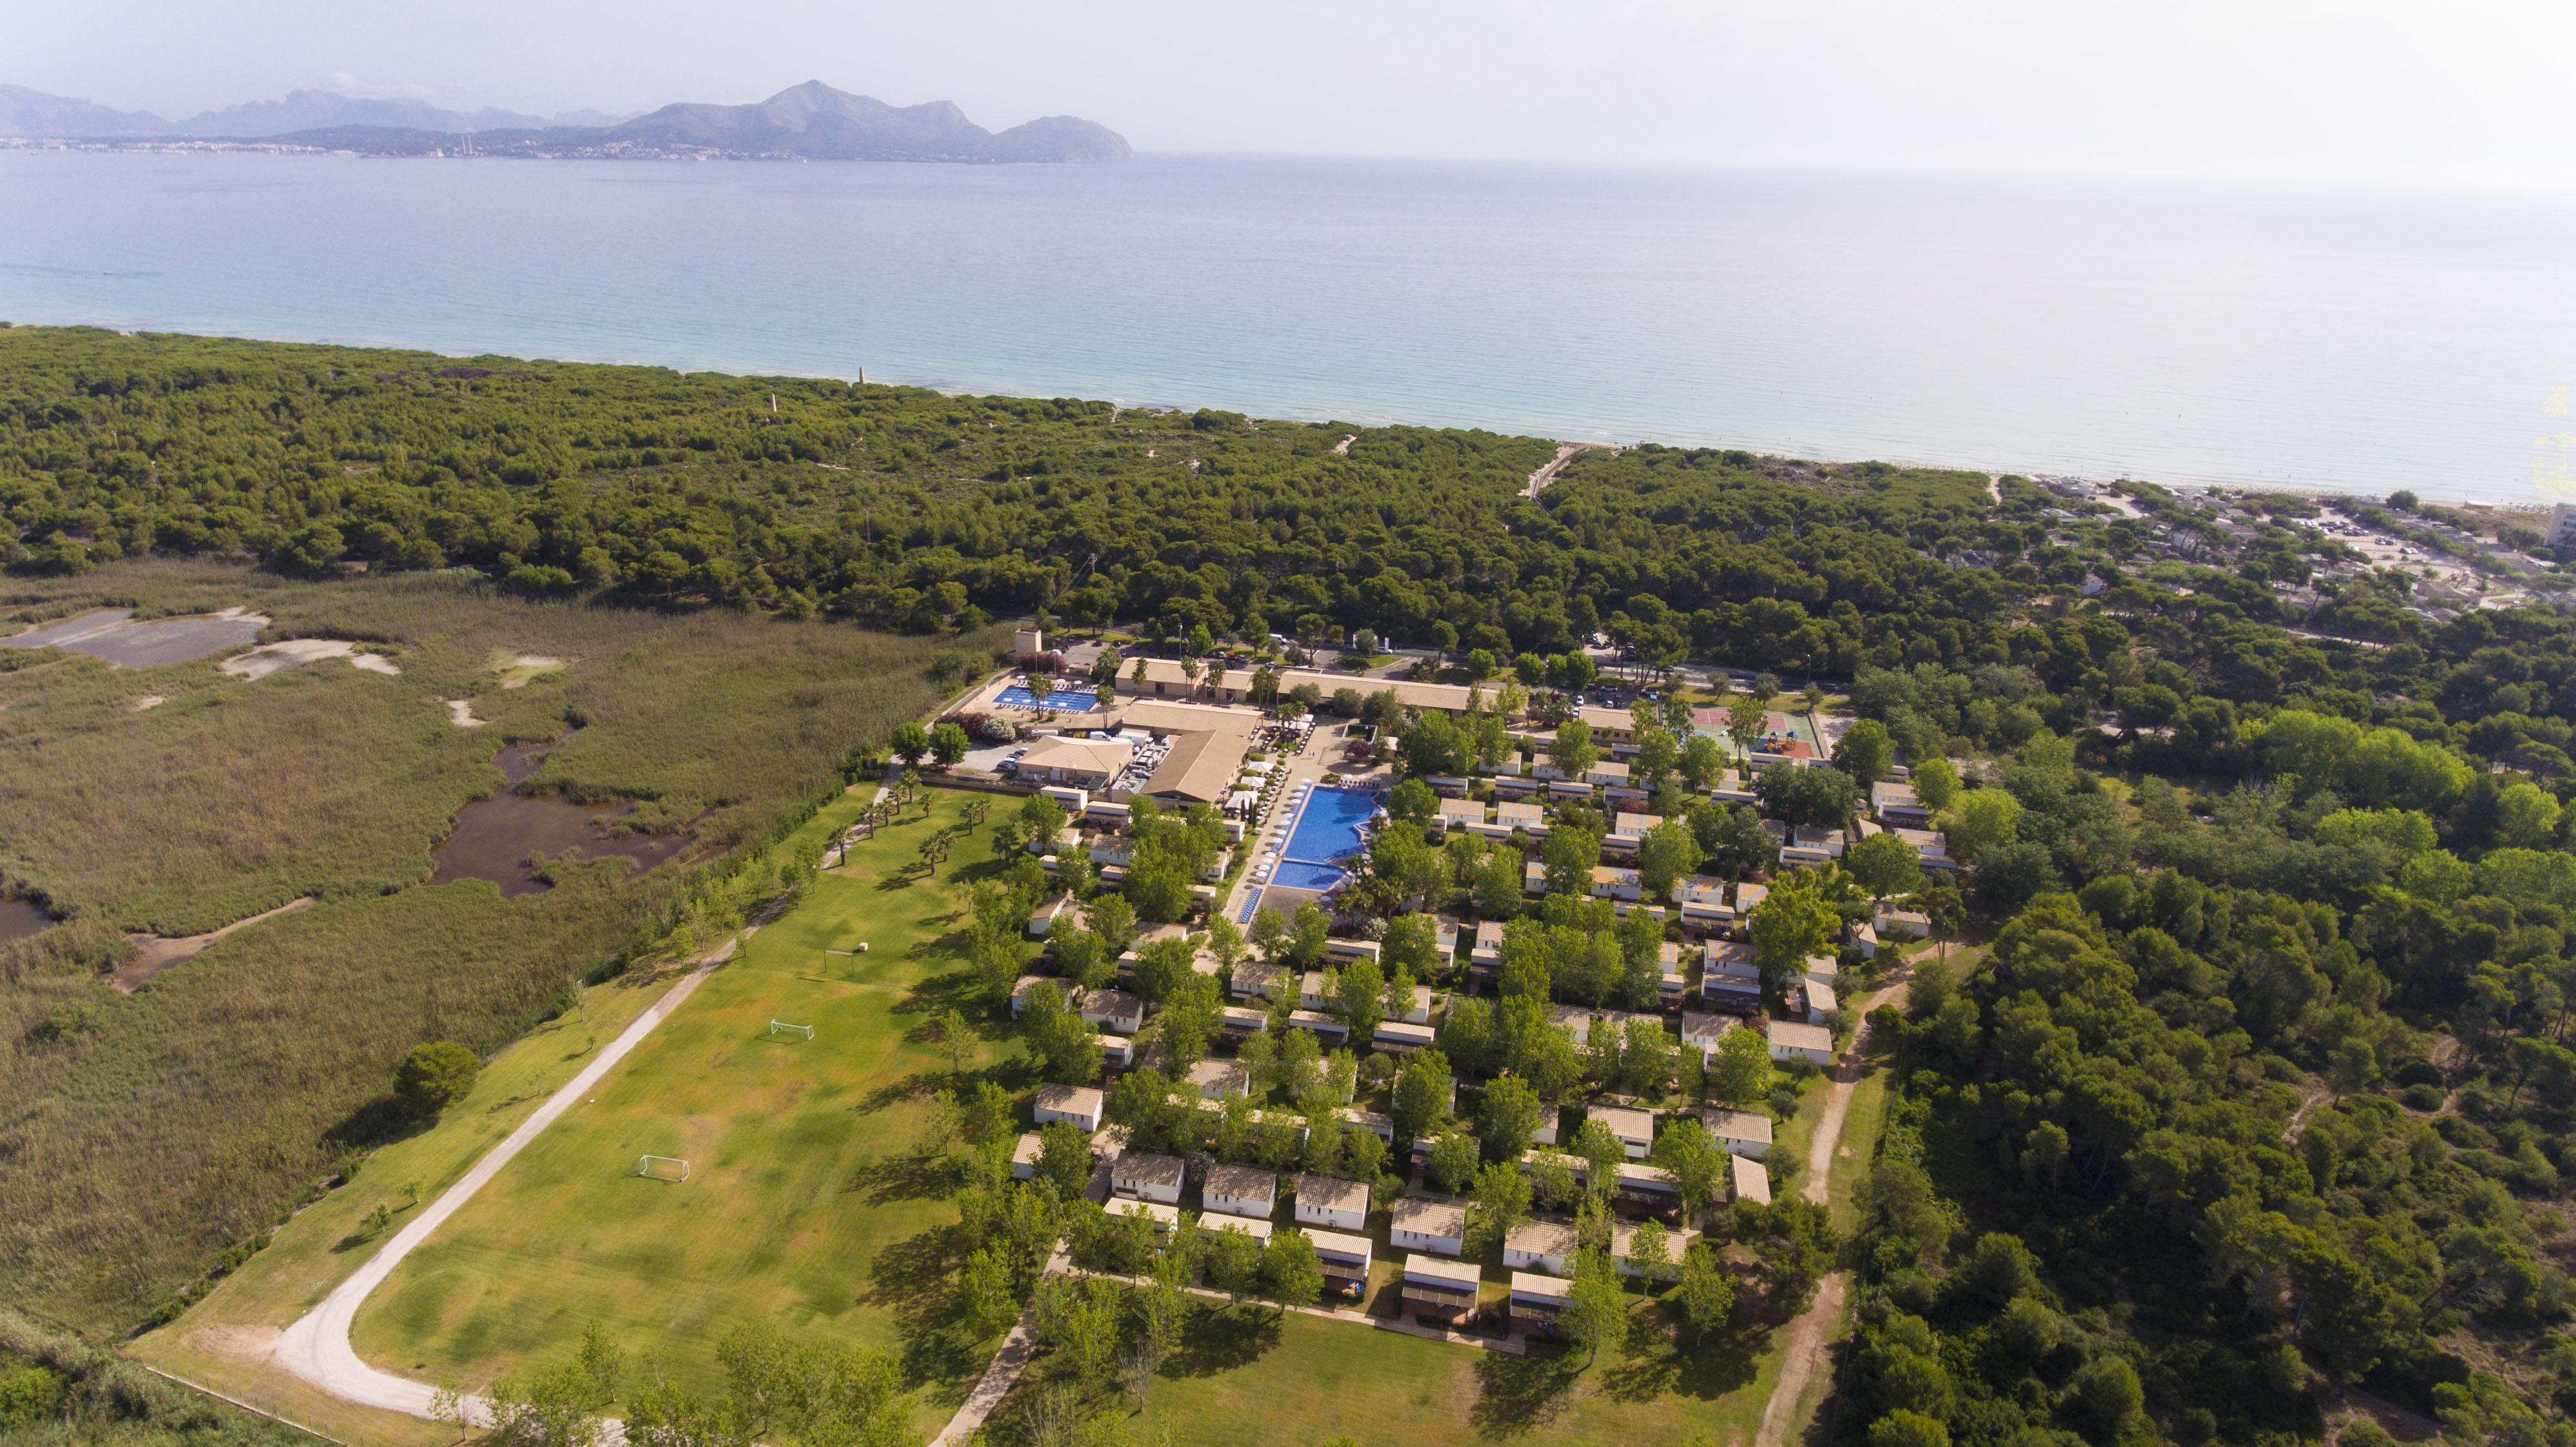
{"points": [[1792, 923], [1573, 751], [1412, 800], [1700, 762], [956, 1038], [1421, 1098], [1596, 1308], [1361, 995], [1502, 1202], [1884, 864], [910, 741], [1905, 1427], [1984, 821], [1739, 1073], [1292, 1271], [1649, 1253], [1570, 853], [1507, 1119], [561, 1403], [1452, 1162], [984, 1291], [1864, 752], [435, 1076], [1699, 1164], [1602, 1155], [1815, 798], [1066, 1048], [1669, 851], [948, 745], [1747, 720], [1707, 1294], [1936, 784], [1270, 934]]}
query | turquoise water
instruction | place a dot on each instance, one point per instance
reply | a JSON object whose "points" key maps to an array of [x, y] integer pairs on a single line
{"points": [[1327, 833], [1063, 700], [2366, 341]]}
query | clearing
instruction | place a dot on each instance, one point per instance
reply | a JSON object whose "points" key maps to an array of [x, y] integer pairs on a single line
{"points": [[810, 1201]]}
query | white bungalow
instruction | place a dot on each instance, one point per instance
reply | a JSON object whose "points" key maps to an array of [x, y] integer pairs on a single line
{"points": [[1331, 1202], [1541, 1245], [1794, 1041], [1147, 1176], [1241, 1191], [1743, 1132], [1422, 1223], [1080, 1104]]}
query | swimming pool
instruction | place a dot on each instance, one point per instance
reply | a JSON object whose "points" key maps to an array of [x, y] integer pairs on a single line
{"points": [[1066, 700], [1327, 834]]}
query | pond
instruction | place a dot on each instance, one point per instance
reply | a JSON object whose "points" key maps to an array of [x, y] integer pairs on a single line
{"points": [[19, 919], [495, 838], [112, 634]]}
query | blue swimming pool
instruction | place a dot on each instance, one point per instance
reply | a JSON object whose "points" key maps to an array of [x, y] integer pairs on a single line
{"points": [[1064, 700], [1327, 831]]}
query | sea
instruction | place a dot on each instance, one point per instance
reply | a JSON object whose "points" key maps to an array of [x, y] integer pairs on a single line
{"points": [[2182, 334]]}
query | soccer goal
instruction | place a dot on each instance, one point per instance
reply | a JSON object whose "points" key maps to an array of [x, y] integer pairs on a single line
{"points": [[662, 1168], [781, 1027]]}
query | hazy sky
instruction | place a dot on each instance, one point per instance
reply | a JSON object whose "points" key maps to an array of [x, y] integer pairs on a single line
{"points": [[2438, 91]]}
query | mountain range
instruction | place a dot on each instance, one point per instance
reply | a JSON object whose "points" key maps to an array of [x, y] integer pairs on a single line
{"points": [[812, 121]]}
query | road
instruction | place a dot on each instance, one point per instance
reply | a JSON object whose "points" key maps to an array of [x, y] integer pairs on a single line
{"points": [[1813, 1330], [1565, 452], [317, 1348]]}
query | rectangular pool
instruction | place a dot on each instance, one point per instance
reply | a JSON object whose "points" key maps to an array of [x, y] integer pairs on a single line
{"points": [[1066, 700], [1326, 835]]}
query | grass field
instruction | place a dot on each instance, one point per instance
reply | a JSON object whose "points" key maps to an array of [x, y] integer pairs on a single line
{"points": [[818, 1195], [1251, 1377], [219, 1095], [222, 1341]]}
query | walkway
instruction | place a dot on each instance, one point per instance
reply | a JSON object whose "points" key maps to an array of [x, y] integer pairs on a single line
{"points": [[317, 1348], [1003, 1374], [1565, 452], [1812, 1332]]}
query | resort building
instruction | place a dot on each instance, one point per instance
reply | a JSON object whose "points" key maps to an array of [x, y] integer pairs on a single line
{"points": [[1437, 1287], [1345, 1259], [1079, 1104], [1241, 1191], [1084, 763], [1793, 1041], [1537, 1302], [1217, 1079], [1542, 1245], [1742, 1132], [1751, 1182], [1423, 1223], [1633, 1129], [1331, 1202], [1112, 1010], [1147, 1176]]}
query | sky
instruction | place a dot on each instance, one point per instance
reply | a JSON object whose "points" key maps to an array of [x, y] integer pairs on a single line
{"points": [[2436, 92]]}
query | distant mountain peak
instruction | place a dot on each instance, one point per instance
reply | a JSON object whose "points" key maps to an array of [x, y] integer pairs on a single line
{"points": [[810, 120]]}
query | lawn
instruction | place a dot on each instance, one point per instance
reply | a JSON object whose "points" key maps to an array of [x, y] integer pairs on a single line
{"points": [[1247, 1376], [810, 1202], [221, 1342]]}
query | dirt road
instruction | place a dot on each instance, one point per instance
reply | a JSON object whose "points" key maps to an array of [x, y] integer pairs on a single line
{"points": [[1812, 1332]]}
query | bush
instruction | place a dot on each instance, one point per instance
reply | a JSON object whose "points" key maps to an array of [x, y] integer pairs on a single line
{"points": [[434, 1077]]}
